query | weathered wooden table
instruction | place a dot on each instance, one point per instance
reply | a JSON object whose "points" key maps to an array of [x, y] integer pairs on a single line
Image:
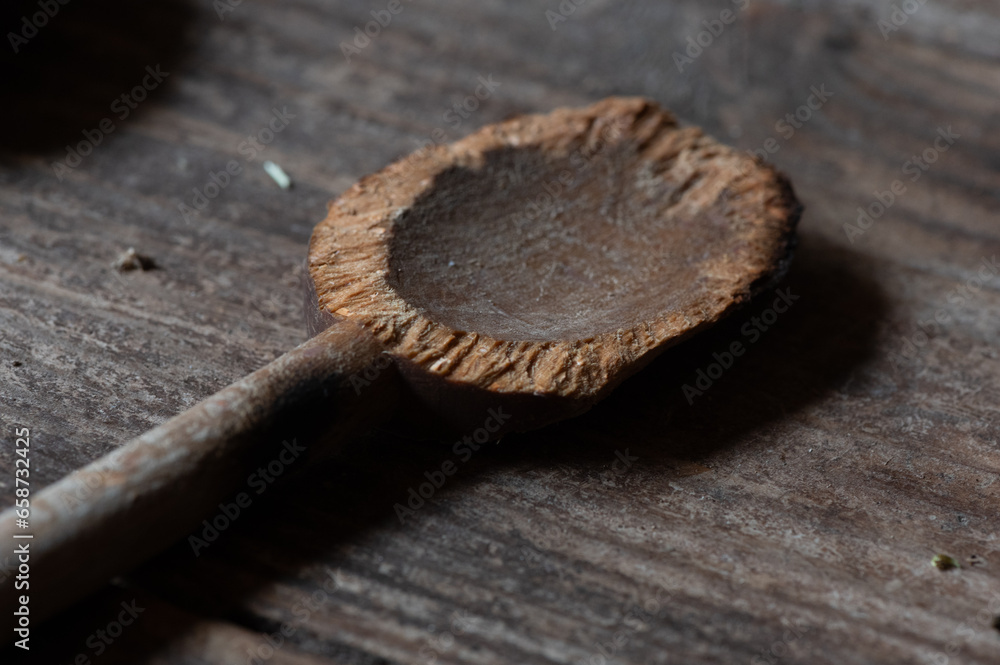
{"points": [[783, 506]]}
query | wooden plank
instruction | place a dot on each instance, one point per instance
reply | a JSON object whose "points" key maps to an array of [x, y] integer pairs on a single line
{"points": [[789, 513]]}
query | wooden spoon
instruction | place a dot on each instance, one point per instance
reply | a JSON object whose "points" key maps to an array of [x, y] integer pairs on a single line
{"points": [[513, 277]]}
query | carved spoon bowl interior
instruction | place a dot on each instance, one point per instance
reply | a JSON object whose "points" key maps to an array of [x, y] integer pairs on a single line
{"points": [[549, 257]]}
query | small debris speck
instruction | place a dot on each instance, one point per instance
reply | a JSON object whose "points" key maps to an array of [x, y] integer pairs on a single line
{"points": [[976, 560], [944, 562], [996, 622], [278, 174], [133, 260], [17, 363]]}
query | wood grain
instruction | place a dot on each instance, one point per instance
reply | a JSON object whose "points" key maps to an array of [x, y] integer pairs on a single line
{"points": [[114, 514], [789, 513]]}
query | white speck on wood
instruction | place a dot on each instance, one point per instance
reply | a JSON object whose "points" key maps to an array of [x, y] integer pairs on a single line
{"points": [[278, 174]]}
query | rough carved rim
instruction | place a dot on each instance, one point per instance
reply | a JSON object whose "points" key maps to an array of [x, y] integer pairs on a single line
{"points": [[349, 262]]}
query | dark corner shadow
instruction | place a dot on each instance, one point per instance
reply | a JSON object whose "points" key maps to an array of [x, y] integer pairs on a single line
{"points": [[810, 350], [64, 64]]}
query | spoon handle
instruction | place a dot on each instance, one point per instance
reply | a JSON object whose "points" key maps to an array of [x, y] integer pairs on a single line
{"points": [[115, 513]]}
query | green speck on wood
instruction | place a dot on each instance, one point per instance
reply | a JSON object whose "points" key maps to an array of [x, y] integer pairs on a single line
{"points": [[944, 562]]}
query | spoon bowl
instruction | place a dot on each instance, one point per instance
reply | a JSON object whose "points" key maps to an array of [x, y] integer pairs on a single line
{"points": [[551, 256]]}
